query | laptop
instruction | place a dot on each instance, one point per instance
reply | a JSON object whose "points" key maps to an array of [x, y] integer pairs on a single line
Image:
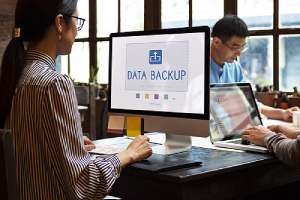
{"points": [[233, 108]]}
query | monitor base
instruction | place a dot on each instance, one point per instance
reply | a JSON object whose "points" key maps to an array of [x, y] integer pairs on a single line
{"points": [[173, 144]]}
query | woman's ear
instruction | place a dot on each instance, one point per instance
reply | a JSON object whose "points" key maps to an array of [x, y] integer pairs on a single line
{"points": [[59, 25]]}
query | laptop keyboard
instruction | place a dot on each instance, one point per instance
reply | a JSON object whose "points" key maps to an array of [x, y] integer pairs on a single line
{"points": [[240, 141]]}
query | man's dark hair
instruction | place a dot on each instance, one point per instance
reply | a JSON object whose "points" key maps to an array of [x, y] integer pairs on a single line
{"points": [[229, 26]]}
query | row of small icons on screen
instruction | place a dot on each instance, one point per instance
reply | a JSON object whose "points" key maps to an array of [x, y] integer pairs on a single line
{"points": [[152, 96]]}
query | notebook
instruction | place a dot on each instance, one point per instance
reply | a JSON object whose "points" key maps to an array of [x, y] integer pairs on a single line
{"points": [[233, 108]]}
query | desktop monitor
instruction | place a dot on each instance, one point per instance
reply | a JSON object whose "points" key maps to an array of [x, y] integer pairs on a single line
{"points": [[162, 76]]}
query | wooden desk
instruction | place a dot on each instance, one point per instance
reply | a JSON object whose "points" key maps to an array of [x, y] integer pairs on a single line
{"points": [[223, 175]]}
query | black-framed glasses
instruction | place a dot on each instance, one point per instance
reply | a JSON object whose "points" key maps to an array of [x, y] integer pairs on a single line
{"points": [[241, 49], [79, 21]]}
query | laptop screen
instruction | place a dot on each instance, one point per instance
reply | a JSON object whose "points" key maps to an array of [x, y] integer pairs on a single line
{"points": [[233, 108]]}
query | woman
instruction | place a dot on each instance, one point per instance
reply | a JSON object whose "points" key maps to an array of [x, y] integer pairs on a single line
{"points": [[39, 106], [282, 140]]}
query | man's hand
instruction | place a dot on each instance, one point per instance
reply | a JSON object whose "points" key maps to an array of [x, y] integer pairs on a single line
{"points": [[88, 144]]}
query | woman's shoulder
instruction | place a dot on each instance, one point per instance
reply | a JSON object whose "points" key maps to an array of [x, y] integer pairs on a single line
{"points": [[38, 75], [62, 79], [54, 78]]}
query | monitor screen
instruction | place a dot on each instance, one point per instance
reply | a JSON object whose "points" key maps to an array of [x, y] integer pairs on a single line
{"points": [[163, 76], [161, 73], [233, 108]]}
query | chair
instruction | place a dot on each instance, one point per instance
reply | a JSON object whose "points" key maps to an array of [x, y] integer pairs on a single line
{"points": [[102, 117], [8, 181], [86, 96]]}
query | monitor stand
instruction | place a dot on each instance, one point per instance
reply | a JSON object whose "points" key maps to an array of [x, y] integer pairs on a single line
{"points": [[173, 144]]}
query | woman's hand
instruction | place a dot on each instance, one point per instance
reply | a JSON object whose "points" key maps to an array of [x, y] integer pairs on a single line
{"points": [[288, 131], [88, 144], [137, 150]]}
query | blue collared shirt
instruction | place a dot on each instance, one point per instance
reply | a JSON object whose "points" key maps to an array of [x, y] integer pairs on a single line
{"points": [[230, 73]]}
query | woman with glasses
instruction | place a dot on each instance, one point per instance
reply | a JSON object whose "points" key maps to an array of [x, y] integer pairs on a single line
{"points": [[39, 106]]}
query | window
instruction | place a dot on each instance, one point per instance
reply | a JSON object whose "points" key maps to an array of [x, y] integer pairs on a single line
{"points": [[289, 51], [83, 12], [257, 60], [79, 60], [207, 12], [273, 44], [103, 56], [77, 63], [175, 13], [132, 15], [272, 56], [90, 52], [289, 13], [258, 14], [114, 16], [107, 10]]}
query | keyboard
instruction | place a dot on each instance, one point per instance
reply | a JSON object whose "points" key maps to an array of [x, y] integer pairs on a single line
{"points": [[113, 146], [108, 149], [240, 141]]}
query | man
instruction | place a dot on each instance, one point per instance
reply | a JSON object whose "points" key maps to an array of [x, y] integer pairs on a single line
{"points": [[228, 42]]}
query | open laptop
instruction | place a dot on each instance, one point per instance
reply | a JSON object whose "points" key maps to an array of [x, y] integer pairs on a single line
{"points": [[233, 108]]}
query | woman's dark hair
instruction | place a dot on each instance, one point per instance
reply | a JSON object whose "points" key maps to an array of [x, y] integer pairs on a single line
{"points": [[34, 18], [229, 26]]}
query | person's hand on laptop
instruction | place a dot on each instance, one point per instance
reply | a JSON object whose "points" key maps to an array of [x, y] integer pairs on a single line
{"points": [[137, 150], [88, 144], [256, 135], [288, 131]]}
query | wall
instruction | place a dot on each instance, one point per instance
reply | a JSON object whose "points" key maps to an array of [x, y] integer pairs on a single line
{"points": [[7, 10]]}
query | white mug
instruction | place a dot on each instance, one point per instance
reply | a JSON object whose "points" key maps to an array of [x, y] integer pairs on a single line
{"points": [[296, 118]]}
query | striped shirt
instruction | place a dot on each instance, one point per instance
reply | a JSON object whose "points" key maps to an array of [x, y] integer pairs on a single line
{"points": [[287, 150], [45, 123]]}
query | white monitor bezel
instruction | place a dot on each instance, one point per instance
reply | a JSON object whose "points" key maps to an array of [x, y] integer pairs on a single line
{"points": [[203, 29]]}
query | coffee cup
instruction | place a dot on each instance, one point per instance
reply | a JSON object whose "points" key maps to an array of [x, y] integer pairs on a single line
{"points": [[296, 118]]}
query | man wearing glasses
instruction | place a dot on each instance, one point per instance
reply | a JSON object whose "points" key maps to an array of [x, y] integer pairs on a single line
{"points": [[228, 42]]}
